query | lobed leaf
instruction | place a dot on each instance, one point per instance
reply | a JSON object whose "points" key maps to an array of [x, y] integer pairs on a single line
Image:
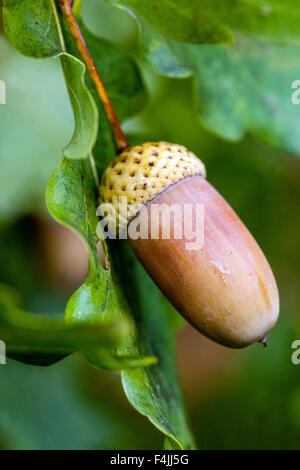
{"points": [[153, 391], [214, 21], [72, 199], [35, 30], [46, 339], [242, 88], [35, 124]]}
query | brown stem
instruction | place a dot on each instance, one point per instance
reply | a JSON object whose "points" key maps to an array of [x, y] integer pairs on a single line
{"points": [[120, 140], [264, 342]]}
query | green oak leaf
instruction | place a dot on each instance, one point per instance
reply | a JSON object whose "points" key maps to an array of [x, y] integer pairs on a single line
{"points": [[31, 27], [180, 20], [46, 339], [40, 115], [1, 17], [35, 30], [71, 199], [122, 81], [84, 108], [153, 391], [35, 124], [214, 21], [244, 87]]}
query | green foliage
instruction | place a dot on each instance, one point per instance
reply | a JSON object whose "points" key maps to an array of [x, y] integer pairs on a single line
{"points": [[179, 20], [31, 27], [84, 108], [71, 198], [122, 81], [35, 124], [117, 317], [154, 391], [43, 340], [35, 30], [64, 407], [1, 17], [240, 88], [210, 21]]}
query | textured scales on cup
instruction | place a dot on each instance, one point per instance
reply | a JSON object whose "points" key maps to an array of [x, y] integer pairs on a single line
{"points": [[141, 173]]}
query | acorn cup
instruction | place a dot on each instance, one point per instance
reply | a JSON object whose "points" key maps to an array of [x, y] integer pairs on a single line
{"points": [[191, 242]]}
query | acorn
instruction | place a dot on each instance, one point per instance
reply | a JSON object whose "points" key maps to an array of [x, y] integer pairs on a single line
{"points": [[191, 242]]}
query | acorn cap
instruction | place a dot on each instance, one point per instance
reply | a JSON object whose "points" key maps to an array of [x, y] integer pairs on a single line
{"points": [[141, 173]]}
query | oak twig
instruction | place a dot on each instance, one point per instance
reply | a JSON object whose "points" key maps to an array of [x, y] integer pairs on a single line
{"points": [[120, 140]]}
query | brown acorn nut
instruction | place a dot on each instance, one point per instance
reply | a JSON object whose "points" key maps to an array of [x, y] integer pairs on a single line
{"points": [[225, 288]]}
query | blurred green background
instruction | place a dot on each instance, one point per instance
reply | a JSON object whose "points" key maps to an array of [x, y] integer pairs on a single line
{"points": [[236, 399]]}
